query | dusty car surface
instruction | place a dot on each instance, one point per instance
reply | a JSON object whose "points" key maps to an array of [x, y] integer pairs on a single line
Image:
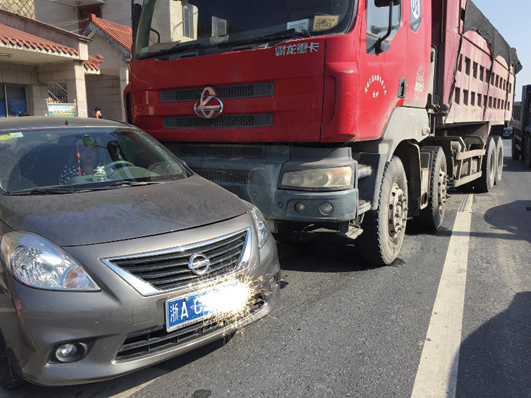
{"points": [[115, 256]]}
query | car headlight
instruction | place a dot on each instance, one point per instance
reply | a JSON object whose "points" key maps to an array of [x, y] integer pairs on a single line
{"points": [[37, 262], [337, 177], [260, 224]]}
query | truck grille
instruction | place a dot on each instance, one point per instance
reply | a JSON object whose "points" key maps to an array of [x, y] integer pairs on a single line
{"points": [[239, 177], [224, 92], [151, 341], [243, 151], [168, 270], [195, 122]]}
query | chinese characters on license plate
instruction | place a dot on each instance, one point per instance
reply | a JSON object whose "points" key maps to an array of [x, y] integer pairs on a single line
{"points": [[204, 304]]}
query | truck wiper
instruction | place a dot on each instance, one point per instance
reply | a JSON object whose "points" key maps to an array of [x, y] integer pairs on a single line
{"points": [[286, 34], [177, 48]]}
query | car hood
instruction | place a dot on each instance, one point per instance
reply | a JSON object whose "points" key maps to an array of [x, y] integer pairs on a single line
{"points": [[86, 218]]}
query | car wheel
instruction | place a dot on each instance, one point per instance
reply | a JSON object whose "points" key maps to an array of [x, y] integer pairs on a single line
{"points": [[431, 217], [384, 228], [499, 159], [488, 168]]}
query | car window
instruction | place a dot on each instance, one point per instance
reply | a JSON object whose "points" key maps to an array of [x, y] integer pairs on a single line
{"points": [[83, 158]]}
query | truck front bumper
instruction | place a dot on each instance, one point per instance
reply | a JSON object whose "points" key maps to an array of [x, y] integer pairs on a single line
{"points": [[256, 178]]}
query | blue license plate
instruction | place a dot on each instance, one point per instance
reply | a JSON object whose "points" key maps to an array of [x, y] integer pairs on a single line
{"points": [[183, 311]]}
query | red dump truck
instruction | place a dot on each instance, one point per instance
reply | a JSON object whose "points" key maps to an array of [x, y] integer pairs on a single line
{"points": [[349, 115]]}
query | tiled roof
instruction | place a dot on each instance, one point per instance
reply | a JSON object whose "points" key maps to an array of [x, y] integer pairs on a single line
{"points": [[16, 38], [93, 63], [121, 34]]}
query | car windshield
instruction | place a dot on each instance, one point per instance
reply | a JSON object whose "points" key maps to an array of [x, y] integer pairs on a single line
{"points": [[65, 160], [197, 27]]}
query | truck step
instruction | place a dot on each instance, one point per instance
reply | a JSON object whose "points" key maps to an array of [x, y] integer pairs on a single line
{"points": [[364, 170], [363, 206]]}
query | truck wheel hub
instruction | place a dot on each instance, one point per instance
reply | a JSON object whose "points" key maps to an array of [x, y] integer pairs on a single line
{"points": [[397, 211]]}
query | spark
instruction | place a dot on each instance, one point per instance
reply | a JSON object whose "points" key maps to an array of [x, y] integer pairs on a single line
{"points": [[229, 302]]}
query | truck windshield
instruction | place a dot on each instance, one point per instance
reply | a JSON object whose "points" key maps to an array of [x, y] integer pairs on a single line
{"points": [[209, 26]]}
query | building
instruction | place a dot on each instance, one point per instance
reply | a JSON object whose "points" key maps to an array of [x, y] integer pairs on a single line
{"points": [[107, 23], [35, 56]]}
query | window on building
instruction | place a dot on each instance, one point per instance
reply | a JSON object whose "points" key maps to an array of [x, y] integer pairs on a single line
{"points": [[12, 101]]}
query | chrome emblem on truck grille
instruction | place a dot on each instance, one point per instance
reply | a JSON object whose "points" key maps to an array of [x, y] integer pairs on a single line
{"points": [[199, 264], [209, 105]]}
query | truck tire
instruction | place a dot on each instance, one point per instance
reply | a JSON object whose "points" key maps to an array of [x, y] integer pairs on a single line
{"points": [[431, 217], [527, 151], [488, 168], [8, 378], [515, 153], [384, 228], [499, 158]]}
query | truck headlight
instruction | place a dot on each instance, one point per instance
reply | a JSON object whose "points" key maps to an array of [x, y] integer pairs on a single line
{"points": [[337, 177], [260, 224], [37, 262]]}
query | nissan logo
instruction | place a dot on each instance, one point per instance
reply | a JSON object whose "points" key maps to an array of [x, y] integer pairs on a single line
{"points": [[209, 105], [199, 264]]}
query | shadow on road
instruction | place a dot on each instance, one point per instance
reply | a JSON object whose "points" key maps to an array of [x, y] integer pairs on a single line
{"points": [[495, 360], [513, 217]]}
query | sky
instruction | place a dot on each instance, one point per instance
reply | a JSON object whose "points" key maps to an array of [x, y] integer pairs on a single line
{"points": [[512, 18]]}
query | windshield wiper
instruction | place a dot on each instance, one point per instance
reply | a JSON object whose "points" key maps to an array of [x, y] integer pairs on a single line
{"points": [[134, 183], [177, 48], [42, 191], [286, 34]]}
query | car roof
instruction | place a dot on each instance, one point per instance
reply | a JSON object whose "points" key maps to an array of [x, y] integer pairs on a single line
{"points": [[39, 122]]}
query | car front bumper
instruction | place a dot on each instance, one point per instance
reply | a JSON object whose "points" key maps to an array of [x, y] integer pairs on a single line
{"points": [[35, 322]]}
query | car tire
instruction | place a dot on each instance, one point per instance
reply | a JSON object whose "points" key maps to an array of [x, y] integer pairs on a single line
{"points": [[431, 218], [488, 168], [384, 228], [499, 159], [8, 377]]}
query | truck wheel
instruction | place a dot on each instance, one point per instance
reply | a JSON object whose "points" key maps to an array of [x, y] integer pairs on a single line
{"points": [[527, 151], [8, 378], [499, 158], [384, 229], [431, 217], [515, 153], [488, 168]]}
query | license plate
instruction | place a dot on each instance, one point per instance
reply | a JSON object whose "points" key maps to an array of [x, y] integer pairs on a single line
{"points": [[186, 310]]}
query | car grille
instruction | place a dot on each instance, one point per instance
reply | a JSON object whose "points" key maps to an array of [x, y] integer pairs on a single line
{"points": [[224, 92], [194, 122], [168, 270], [151, 341]]}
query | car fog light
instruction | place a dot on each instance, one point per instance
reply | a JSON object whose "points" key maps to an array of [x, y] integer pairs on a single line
{"points": [[300, 207], [65, 352], [326, 208]]}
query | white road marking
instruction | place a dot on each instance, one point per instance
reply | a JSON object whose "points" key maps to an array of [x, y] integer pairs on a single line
{"points": [[437, 371]]}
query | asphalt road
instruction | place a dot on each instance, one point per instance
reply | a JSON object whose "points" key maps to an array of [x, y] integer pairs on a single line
{"points": [[451, 317]]}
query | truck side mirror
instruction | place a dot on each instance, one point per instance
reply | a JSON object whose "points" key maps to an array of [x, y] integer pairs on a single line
{"points": [[390, 4], [386, 3]]}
